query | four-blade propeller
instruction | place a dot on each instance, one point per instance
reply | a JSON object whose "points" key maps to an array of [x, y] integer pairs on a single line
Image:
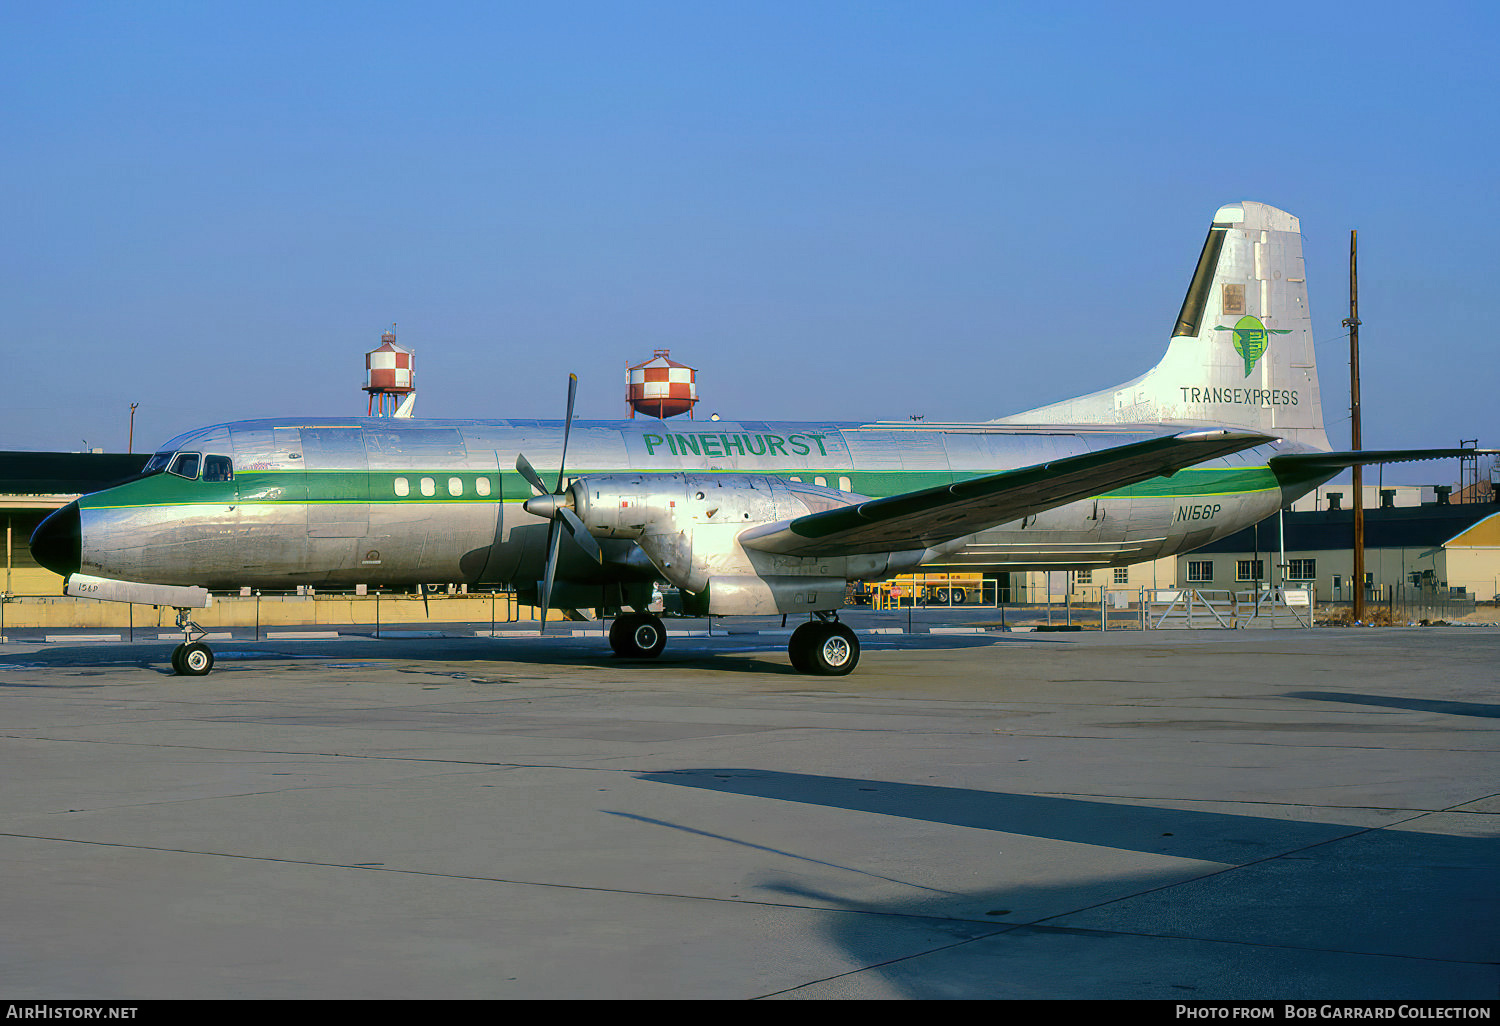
{"points": [[556, 506]]}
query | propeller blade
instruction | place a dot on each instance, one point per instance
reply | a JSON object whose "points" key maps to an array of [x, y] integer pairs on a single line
{"points": [[554, 538], [562, 460], [559, 517], [580, 534], [525, 469]]}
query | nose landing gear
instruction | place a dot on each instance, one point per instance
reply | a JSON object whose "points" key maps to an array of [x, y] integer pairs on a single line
{"points": [[192, 658]]}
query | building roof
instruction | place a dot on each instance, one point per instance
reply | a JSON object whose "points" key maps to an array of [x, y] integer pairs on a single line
{"points": [[1485, 534]]}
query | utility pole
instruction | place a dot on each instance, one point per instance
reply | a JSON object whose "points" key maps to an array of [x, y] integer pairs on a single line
{"points": [[130, 442], [1355, 443]]}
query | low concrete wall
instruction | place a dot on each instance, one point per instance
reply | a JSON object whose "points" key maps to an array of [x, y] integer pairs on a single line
{"points": [[269, 610]]}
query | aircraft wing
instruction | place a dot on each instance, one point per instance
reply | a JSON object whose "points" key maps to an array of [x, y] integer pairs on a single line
{"points": [[921, 519], [1334, 461]]}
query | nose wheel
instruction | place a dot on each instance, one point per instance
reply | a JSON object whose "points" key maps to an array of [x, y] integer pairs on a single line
{"points": [[192, 658]]}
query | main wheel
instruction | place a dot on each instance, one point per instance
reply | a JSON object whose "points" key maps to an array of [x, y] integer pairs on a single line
{"points": [[637, 636], [824, 649], [192, 660]]}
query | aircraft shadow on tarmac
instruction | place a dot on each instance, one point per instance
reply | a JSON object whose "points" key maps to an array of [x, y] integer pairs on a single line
{"points": [[1402, 702], [1190, 834], [1276, 922]]}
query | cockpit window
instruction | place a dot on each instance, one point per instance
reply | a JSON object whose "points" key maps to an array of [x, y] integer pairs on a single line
{"points": [[186, 465], [218, 468], [157, 462]]}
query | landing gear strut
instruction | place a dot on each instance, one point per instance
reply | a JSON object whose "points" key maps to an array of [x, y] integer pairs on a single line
{"points": [[192, 658], [824, 647], [637, 636]]}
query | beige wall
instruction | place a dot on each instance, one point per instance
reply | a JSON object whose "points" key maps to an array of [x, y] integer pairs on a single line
{"points": [[270, 611], [1473, 568]]}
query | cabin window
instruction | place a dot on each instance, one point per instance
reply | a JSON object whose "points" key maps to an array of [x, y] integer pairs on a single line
{"points": [[403, 486], [482, 486], [186, 465], [822, 481], [429, 487], [845, 485], [218, 468], [455, 486]]}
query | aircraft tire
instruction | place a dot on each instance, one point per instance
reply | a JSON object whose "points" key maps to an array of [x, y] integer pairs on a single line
{"points": [[637, 636], [193, 660], [824, 649], [796, 648]]}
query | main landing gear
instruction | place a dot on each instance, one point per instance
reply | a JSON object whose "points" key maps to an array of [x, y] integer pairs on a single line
{"points": [[824, 647], [637, 636], [192, 658]]}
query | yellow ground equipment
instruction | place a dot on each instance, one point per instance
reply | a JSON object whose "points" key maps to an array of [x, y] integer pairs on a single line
{"points": [[926, 589]]}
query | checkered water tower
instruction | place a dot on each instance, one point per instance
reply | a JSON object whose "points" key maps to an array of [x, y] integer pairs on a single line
{"points": [[388, 375], [661, 387]]}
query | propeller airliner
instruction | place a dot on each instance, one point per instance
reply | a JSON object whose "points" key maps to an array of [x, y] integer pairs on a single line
{"points": [[748, 517]]}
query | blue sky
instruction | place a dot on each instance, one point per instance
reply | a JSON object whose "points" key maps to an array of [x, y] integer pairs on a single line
{"points": [[834, 210]]}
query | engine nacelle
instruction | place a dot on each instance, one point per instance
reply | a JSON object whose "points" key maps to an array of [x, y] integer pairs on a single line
{"points": [[689, 524], [635, 505]]}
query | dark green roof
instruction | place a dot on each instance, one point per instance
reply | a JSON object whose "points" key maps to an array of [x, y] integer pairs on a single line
{"points": [[1398, 527], [65, 473]]}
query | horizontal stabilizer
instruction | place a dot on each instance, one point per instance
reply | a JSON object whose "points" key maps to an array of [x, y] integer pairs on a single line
{"points": [[922, 519], [1334, 461]]}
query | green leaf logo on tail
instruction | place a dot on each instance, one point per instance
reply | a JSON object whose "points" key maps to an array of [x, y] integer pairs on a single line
{"points": [[1251, 338]]}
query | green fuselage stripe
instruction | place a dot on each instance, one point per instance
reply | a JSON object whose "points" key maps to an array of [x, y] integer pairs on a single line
{"points": [[324, 487]]}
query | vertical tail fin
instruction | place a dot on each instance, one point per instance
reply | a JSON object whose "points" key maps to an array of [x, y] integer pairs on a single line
{"points": [[1241, 352]]}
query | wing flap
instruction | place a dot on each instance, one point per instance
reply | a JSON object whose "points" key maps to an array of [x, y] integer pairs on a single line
{"points": [[922, 519]]}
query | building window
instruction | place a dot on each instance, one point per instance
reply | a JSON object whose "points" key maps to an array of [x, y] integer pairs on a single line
{"points": [[1200, 571], [1302, 570], [1083, 577], [1122, 575], [1249, 570]]}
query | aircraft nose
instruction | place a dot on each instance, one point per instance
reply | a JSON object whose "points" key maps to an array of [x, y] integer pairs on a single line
{"points": [[57, 542]]}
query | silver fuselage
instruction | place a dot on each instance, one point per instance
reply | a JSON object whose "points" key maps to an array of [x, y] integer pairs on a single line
{"points": [[388, 502]]}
